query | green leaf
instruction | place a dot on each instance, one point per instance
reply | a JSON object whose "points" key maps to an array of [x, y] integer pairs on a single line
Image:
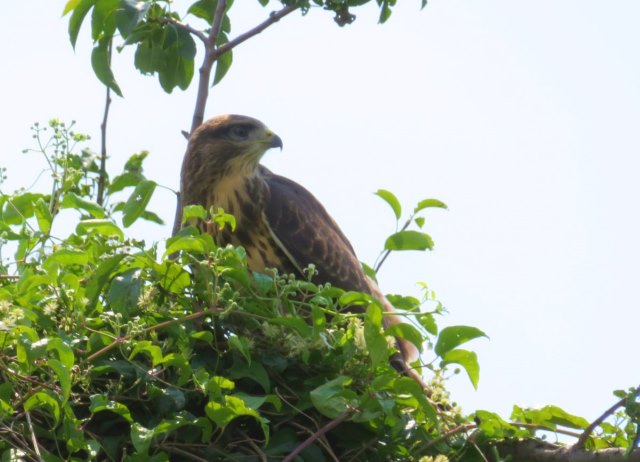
{"points": [[332, 398], [44, 400], [203, 9], [71, 5], [100, 277], [65, 257], [406, 385], [405, 331], [549, 417], [426, 203], [101, 226], [80, 10], [43, 215], [223, 64], [195, 244], [141, 438], [392, 200], [493, 426], [124, 291], [242, 345], [429, 323], [468, 360], [385, 12], [172, 277], [409, 240], [137, 202], [73, 201], [377, 345], [153, 352], [103, 23], [453, 336], [352, 298], [101, 66], [233, 407], [62, 350], [63, 375], [130, 13], [295, 323], [193, 211], [125, 180]]}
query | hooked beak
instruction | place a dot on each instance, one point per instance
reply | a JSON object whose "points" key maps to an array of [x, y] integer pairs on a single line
{"points": [[274, 141]]}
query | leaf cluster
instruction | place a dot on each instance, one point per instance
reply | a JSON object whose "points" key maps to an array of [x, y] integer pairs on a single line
{"points": [[165, 44]]}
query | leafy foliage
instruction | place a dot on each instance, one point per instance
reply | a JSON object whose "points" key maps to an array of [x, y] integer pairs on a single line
{"points": [[114, 351], [164, 43]]}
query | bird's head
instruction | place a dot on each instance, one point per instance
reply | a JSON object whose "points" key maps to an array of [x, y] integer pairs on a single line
{"points": [[230, 144]]}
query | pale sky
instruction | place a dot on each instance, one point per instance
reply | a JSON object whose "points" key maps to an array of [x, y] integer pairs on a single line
{"points": [[524, 117]]}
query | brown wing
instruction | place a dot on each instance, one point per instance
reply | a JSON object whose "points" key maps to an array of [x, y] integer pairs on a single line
{"points": [[307, 234]]}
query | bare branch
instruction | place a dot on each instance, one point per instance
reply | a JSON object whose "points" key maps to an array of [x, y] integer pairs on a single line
{"points": [[211, 54], [36, 448], [216, 25], [274, 17], [192, 30], [334, 423]]}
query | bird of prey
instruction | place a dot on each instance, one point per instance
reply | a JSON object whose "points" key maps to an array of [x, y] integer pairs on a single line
{"points": [[279, 223]]}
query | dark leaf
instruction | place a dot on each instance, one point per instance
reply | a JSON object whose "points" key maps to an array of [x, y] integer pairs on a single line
{"points": [[102, 67]]}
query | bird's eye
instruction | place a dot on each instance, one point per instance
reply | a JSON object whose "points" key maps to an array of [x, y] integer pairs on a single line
{"points": [[239, 131]]}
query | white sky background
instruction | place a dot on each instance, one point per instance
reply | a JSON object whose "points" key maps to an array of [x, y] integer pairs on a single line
{"points": [[522, 116]]}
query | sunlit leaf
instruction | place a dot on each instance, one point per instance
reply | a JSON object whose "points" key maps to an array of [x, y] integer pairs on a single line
{"points": [[137, 202], [467, 359], [409, 240], [427, 203], [454, 336], [392, 200]]}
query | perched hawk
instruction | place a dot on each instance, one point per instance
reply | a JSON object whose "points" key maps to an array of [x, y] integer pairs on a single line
{"points": [[278, 222]]}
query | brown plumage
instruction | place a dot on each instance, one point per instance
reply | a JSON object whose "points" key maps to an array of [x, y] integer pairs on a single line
{"points": [[279, 223]]}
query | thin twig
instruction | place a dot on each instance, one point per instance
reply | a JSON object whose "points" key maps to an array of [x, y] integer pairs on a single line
{"points": [[184, 453], [192, 30], [121, 340], [261, 455], [329, 426], [216, 25], [587, 432], [33, 436], [453, 431], [273, 18], [102, 178], [386, 253], [322, 440], [205, 76]]}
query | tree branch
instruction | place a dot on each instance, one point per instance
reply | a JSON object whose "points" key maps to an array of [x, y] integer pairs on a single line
{"points": [[192, 30], [332, 424], [211, 54], [533, 450], [589, 430], [216, 25], [274, 17]]}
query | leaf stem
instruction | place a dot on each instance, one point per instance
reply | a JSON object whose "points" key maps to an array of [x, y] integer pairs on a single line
{"points": [[102, 178]]}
